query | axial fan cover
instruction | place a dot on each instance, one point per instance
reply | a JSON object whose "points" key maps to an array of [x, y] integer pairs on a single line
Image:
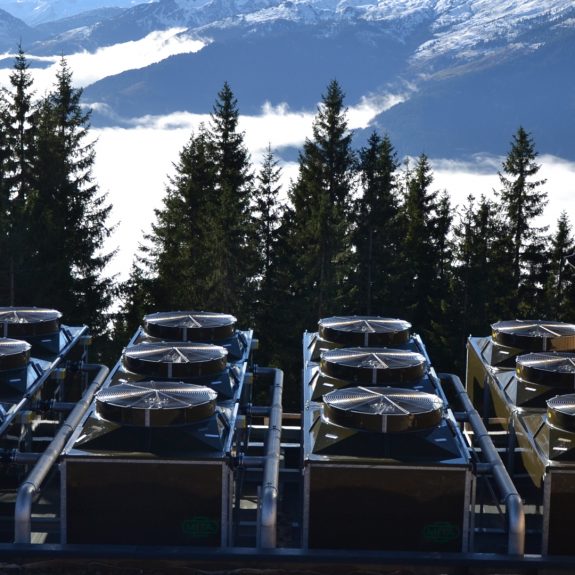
{"points": [[535, 335], [28, 321], [175, 359], [386, 409], [155, 403], [14, 353], [552, 368], [190, 325], [367, 331], [561, 411], [373, 365]]}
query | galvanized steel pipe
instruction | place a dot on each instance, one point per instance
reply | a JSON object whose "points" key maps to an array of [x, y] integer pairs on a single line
{"points": [[31, 486], [510, 496], [267, 526]]}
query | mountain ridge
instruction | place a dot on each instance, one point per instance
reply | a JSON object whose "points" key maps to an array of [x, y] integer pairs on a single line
{"points": [[462, 64]]}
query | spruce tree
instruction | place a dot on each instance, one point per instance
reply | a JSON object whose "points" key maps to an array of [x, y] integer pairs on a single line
{"points": [[320, 217], [18, 130], [560, 285], [418, 256], [522, 200], [234, 255], [270, 320], [201, 251], [68, 211], [180, 245], [377, 235]]}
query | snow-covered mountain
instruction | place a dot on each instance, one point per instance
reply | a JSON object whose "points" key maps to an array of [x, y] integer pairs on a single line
{"points": [[466, 73]]}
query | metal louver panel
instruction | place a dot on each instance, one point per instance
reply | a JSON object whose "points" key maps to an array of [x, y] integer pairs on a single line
{"points": [[155, 403], [28, 321], [367, 331], [555, 369], [383, 409], [175, 359], [373, 365], [13, 353], [190, 325], [535, 335]]}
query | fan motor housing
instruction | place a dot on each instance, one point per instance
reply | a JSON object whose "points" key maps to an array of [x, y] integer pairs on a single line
{"points": [[200, 327], [38, 326]]}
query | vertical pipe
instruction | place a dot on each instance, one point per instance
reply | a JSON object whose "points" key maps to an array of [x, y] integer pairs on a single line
{"points": [[267, 527], [510, 496]]}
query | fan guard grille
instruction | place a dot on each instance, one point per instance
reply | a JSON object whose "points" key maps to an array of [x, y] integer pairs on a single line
{"points": [[175, 359], [367, 331], [155, 403], [554, 368], [13, 353], [383, 409], [190, 325], [373, 365], [28, 321], [561, 411], [535, 335]]}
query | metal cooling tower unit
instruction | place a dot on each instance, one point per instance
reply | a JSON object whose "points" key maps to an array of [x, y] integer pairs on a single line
{"points": [[522, 378], [379, 443], [153, 461]]}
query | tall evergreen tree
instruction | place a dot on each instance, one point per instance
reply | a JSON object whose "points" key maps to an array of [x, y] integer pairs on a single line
{"points": [[270, 320], [18, 130], [68, 211], [234, 255], [560, 286], [201, 252], [377, 234], [419, 270], [522, 200], [321, 204], [181, 242]]}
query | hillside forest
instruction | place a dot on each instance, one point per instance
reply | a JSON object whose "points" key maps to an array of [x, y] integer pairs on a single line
{"points": [[359, 232]]}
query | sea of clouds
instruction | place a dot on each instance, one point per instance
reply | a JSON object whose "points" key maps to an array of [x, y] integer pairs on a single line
{"points": [[134, 162]]}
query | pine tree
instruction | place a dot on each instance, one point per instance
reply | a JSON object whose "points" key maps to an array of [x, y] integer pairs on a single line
{"points": [[418, 257], [68, 212], [18, 144], [376, 235], [234, 257], [270, 320], [320, 217], [522, 201], [177, 256], [560, 286], [201, 252]]}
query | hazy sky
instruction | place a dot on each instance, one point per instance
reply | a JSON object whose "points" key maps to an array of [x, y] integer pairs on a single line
{"points": [[135, 184]]}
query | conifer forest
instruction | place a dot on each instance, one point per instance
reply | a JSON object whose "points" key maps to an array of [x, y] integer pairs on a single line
{"points": [[359, 232]]}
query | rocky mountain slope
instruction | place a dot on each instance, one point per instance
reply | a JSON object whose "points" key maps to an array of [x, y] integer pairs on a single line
{"points": [[467, 72]]}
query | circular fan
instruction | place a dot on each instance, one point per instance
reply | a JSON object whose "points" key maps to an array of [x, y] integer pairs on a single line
{"points": [[367, 331], [383, 409], [190, 325], [561, 411], [13, 353], [373, 365], [553, 368], [175, 359], [155, 403], [29, 321], [535, 335]]}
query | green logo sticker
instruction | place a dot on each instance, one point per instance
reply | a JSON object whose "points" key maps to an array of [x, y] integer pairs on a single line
{"points": [[200, 527], [441, 532]]}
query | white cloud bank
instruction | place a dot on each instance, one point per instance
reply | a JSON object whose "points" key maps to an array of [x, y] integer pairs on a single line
{"points": [[89, 67], [133, 165]]}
